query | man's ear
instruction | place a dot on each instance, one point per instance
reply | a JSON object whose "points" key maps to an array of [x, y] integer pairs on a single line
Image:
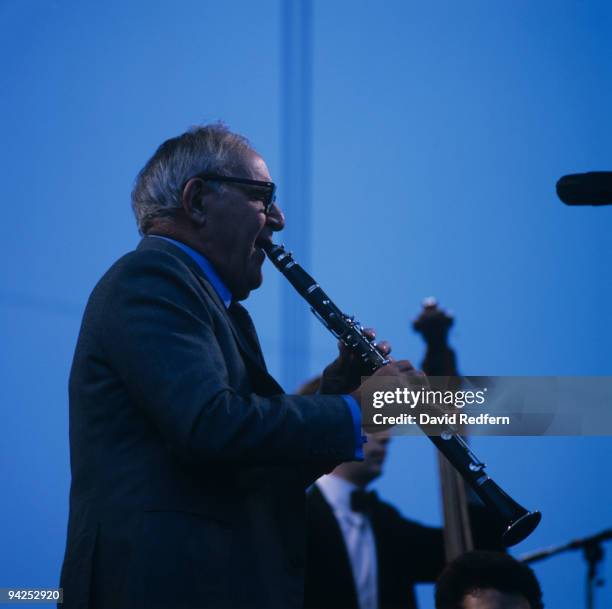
{"points": [[194, 204]]}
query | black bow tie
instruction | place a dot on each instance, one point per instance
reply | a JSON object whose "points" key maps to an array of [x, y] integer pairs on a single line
{"points": [[362, 501]]}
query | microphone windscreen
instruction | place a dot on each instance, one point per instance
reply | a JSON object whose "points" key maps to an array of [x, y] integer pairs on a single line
{"points": [[592, 188]]}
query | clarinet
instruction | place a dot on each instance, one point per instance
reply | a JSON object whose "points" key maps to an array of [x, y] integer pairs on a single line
{"points": [[517, 522]]}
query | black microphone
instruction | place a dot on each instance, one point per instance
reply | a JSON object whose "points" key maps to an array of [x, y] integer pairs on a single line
{"points": [[592, 188]]}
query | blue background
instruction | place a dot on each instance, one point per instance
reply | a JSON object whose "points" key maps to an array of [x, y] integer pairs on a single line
{"points": [[438, 132]]}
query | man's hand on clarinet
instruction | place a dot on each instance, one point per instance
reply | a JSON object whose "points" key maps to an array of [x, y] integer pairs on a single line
{"points": [[398, 373], [343, 375]]}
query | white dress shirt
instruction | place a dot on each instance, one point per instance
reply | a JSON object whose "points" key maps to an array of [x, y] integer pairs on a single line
{"points": [[358, 538]]}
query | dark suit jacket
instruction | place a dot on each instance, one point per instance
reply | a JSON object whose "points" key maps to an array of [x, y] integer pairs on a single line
{"points": [[407, 553], [188, 462]]}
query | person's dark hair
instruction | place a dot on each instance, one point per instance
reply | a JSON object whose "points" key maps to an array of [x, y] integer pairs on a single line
{"points": [[204, 149], [479, 570]]}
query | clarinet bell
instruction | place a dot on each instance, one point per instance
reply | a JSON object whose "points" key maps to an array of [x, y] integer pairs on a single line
{"points": [[521, 529]]}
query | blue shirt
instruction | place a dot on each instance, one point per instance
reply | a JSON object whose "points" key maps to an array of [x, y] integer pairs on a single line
{"points": [[207, 268], [226, 296]]}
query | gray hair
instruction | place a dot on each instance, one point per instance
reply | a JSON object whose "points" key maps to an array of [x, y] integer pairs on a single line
{"points": [[159, 186]]}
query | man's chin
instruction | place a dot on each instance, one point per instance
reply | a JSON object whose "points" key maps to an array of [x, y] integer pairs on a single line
{"points": [[374, 471], [254, 281], [257, 281]]}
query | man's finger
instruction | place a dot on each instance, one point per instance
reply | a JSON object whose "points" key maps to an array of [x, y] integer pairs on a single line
{"points": [[370, 333], [384, 347], [404, 365]]}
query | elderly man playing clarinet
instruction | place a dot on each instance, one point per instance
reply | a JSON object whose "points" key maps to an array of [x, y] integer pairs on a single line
{"points": [[189, 462]]}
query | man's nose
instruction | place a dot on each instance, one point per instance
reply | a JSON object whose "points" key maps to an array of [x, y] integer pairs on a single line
{"points": [[276, 218]]}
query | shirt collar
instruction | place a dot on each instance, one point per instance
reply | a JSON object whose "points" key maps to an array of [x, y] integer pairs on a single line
{"points": [[337, 491], [207, 268]]}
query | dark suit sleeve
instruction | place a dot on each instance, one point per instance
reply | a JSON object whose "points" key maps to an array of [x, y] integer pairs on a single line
{"points": [[408, 548], [159, 335]]}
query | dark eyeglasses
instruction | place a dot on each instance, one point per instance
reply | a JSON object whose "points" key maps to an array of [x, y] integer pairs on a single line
{"points": [[254, 189]]}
